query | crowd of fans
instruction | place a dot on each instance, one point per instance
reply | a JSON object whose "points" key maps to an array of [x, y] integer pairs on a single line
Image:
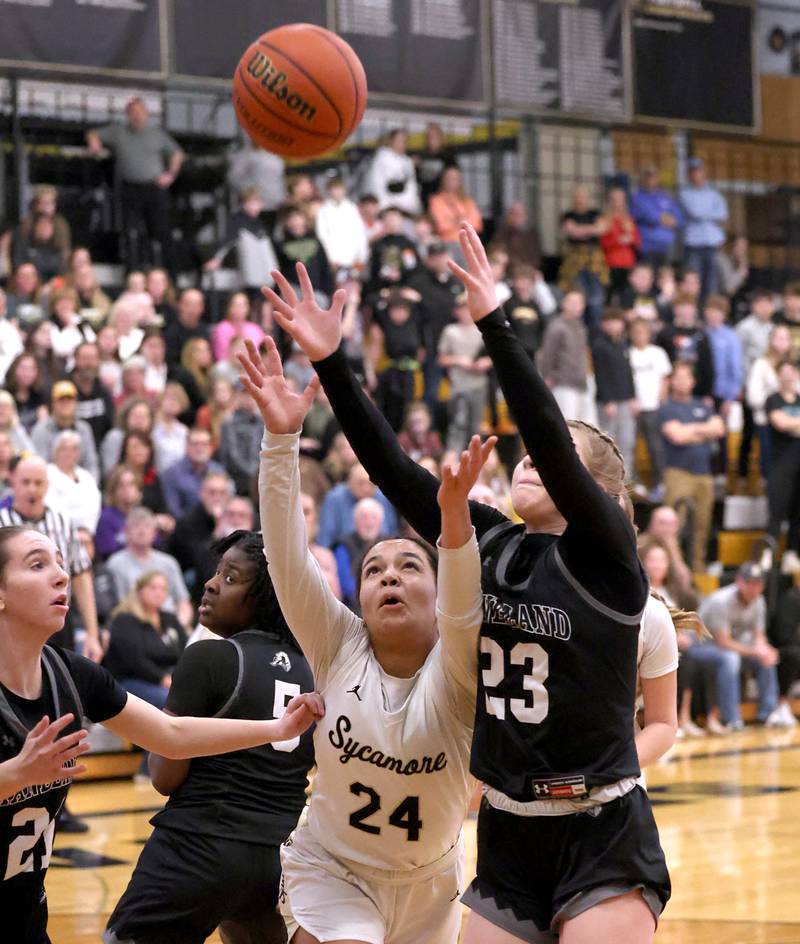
{"points": [[124, 427]]}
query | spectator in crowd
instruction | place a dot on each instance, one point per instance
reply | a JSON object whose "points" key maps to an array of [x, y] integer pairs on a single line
{"points": [[93, 303], [148, 162], [25, 295], [785, 637], [432, 161], [451, 206], [762, 382], [136, 282], [240, 443], [736, 616], [197, 363], [247, 233], [71, 489], [705, 211], [156, 372], [370, 212], [391, 177], [122, 494], [341, 230], [7, 454], [125, 318], [336, 513], [188, 324], [133, 382], [162, 292], [789, 314], [139, 557], [301, 244], [563, 359], [396, 353], [583, 263], [135, 416], [524, 308], [665, 525], [11, 426], [686, 341], [145, 640], [24, 383], [416, 438], [110, 367], [39, 343], [169, 434], [253, 167], [138, 453], [620, 242], [651, 368], [182, 480], [518, 238], [44, 203], [689, 428], [726, 353], [235, 324], [754, 332], [463, 355], [393, 258], [95, 405], [658, 217], [616, 396], [199, 527], [221, 404], [323, 555], [69, 328], [733, 265], [367, 522], [38, 246], [64, 400], [10, 338], [783, 485]]}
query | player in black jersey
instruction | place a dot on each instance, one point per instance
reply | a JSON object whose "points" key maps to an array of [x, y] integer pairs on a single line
{"points": [[38, 759], [563, 599], [217, 839]]}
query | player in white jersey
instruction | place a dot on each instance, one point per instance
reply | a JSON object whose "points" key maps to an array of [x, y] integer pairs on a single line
{"points": [[378, 858]]}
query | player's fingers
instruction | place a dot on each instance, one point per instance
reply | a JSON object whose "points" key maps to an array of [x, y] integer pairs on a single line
{"points": [[69, 741], [306, 288], [469, 251], [287, 292], [39, 728], [287, 323], [73, 771], [487, 447], [338, 302], [311, 391], [254, 372], [52, 731], [317, 704], [460, 273], [273, 365], [277, 302]]}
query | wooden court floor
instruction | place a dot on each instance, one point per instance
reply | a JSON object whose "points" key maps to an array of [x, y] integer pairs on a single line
{"points": [[728, 811]]}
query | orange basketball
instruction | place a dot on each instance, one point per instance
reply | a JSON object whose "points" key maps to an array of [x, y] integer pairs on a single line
{"points": [[299, 90]]}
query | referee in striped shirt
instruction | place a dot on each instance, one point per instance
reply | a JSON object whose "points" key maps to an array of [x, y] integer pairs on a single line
{"points": [[26, 506]]}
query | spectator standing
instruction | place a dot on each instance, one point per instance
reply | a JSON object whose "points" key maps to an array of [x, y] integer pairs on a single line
{"points": [[686, 341], [616, 395], [71, 489], [95, 405], [651, 368], [301, 244], [182, 480], [247, 233], [658, 217], [240, 443], [762, 382], [396, 353], [187, 326], [252, 167], [11, 426], [563, 359], [726, 356], [689, 428], [736, 616], [369, 211], [527, 307], [122, 494], [10, 338], [392, 178], [783, 484], [785, 636], [148, 162], [64, 402], [24, 383], [341, 230], [235, 324], [620, 242], [754, 331], [518, 238], [433, 161], [789, 315], [451, 206], [705, 211], [393, 258], [584, 263], [336, 513], [733, 265]]}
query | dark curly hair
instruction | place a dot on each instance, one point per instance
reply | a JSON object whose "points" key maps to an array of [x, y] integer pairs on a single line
{"points": [[268, 616]]}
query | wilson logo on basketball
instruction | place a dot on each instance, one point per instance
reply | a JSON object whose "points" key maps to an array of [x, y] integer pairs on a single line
{"points": [[274, 81]]}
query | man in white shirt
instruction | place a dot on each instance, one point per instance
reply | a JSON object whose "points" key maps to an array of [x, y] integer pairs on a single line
{"points": [[651, 367], [341, 229]]}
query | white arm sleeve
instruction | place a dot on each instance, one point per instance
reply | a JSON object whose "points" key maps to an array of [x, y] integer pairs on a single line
{"points": [[459, 613], [659, 641], [318, 620]]}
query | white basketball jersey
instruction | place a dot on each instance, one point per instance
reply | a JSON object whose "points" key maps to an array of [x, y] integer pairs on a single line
{"points": [[392, 787]]}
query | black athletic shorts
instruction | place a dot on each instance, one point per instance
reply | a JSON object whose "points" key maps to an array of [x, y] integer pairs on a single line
{"points": [[23, 906], [534, 872], [186, 884]]}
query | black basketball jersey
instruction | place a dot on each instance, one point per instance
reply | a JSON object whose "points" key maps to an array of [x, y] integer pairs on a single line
{"points": [[557, 685], [28, 819], [254, 795]]}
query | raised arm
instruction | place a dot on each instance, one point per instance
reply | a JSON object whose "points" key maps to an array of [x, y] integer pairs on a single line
{"points": [[409, 487], [318, 620]]}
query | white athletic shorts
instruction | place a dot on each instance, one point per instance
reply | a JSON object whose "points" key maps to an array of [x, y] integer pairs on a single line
{"points": [[335, 900]]}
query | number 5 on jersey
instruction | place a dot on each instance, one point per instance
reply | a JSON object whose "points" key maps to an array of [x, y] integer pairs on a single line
{"points": [[533, 706]]}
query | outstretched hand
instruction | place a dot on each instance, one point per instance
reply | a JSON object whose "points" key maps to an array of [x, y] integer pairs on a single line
{"points": [[478, 277], [457, 480], [282, 410], [318, 331], [301, 712]]}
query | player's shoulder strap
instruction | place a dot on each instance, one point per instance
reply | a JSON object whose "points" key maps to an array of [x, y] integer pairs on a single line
{"points": [[55, 668], [499, 545], [239, 679], [488, 539]]}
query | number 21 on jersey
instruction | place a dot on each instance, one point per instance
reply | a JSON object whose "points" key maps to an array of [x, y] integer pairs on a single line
{"points": [[532, 707]]}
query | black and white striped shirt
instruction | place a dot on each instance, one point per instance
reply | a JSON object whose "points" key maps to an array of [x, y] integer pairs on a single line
{"points": [[60, 530]]}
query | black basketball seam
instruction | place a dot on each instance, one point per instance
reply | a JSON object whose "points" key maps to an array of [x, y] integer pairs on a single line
{"points": [[314, 134], [324, 34], [311, 79]]}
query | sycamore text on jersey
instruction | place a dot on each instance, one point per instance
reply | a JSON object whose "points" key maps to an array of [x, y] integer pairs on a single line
{"points": [[355, 750]]}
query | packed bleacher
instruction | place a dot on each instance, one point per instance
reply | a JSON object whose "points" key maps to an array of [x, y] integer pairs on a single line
{"points": [[122, 414]]}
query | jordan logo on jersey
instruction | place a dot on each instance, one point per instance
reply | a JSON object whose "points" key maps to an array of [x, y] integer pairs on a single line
{"points": [[529, 617], [281, 660]]}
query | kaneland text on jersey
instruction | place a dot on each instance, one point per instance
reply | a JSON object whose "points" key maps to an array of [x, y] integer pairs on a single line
{"points": [[533, 618]]}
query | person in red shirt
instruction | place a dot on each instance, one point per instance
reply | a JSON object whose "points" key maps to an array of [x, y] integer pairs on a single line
{"points": [[620, 241]]}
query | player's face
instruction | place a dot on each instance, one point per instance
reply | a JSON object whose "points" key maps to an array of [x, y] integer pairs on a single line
{"points": [[531, 500], [34, 587], [225, 607], [398, 589]]}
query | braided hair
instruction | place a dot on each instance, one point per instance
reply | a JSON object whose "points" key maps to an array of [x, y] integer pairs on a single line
{"points": [[268, 617], [603, 458]]}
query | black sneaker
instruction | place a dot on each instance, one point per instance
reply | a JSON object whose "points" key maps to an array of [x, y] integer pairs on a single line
{"points": [[67, 823]]}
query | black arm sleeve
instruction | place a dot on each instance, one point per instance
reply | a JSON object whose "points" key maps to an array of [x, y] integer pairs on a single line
{"points": [[409, 487], [597, 527], [203, 679]]}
